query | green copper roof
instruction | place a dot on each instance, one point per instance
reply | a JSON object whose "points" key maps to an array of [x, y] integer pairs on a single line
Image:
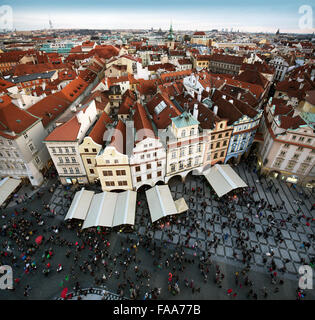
{"points": [[185, 120], [308, 117]]}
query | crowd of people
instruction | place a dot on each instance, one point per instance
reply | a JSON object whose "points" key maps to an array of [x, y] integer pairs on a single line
{"points": [[89, 254]]}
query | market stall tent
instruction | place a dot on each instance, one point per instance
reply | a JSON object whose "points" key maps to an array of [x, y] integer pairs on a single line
{"points": [[110, 209], [223, 179], [80, 205], [7, 186], [181, 205], [160, 202]]}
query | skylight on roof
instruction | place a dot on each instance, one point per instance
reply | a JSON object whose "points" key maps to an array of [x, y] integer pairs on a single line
{"points": [[160, 107]]}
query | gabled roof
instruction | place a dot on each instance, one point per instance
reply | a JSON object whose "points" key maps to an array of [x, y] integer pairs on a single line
{"points": [[310, 97], [26, 69], [74, 89], [162, 66], [240, 94], [142, 123], [288, 122], [49, 108], [65, 132], [232, 110], [99, 128], [13, 119], [119, 138], [125, 105], [163, 119], [199, 33], [252, 76], [224, 58], [206, 117], [257, 66]]}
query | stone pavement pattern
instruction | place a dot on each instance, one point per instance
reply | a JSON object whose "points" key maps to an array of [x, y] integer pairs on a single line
{"points": [[51, 286]]}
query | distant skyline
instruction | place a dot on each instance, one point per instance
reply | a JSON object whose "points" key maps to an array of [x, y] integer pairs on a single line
{"points": [[243, 15]]}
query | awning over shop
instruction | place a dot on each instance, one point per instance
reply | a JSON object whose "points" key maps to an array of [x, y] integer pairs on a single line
{"points": [[110, 209], [223, 179], [80, 205], [7, 186], [161, 203]]}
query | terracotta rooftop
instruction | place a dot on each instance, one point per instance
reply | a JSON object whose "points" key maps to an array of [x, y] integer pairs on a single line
{"points": [[119, 137], [49, 108], [224, 58], [142, 123], [65, 132], [13, 119], [252, 76], [99, 128], [25, 69], [74, 89]]}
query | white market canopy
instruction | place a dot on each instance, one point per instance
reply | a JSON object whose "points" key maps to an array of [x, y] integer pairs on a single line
{"points": [[110, 209], [181, 205], [161, 203], [223, 179], [7, 186], [80, 205]]}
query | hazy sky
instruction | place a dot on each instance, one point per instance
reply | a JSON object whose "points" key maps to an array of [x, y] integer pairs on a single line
{"points": [[266, 15]]}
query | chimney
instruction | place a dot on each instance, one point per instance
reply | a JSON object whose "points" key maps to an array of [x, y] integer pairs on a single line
{"points": [[224, 96], [239, 96], [215, 110], [196, 111], [231, 101]]}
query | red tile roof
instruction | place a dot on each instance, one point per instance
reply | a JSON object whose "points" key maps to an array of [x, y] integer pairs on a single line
{"points": [[97, 133], [240, 94], [206, 117], [224, 58], [14, 56], [49, 108], [310, 97], [125, 106], [172, 76], [257, 66], [119, 138], [13, 119], [25, 69], [163, 119], [162, 66], [142, 123], [199, 33], [147, 87], [74, 89], [65, 132], [288, 122], [252, 76], [232, 110]]}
